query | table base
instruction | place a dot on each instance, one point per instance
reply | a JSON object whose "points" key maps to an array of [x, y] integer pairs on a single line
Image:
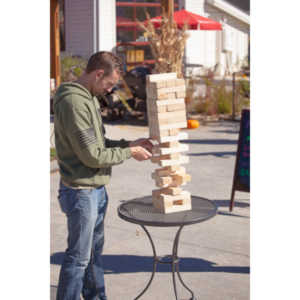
{"points": [[169, 259]]}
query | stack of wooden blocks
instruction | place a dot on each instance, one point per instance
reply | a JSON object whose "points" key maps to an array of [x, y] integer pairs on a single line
{"points": [[166, 115]]}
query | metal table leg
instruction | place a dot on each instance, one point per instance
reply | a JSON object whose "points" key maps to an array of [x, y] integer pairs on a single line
{"points": [[155, 262], [173, 259]]}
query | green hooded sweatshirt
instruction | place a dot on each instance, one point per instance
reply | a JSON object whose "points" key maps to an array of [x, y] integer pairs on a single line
{"points": [[85, 156]]}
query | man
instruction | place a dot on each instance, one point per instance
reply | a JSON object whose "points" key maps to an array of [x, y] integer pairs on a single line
{"points": [[85, 158]]}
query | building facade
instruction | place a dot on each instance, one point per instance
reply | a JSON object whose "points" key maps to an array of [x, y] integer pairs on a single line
{"points": [[95, 25]]}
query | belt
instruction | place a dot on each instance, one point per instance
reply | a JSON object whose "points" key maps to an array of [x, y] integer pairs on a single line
{"points": [[76, 187]]}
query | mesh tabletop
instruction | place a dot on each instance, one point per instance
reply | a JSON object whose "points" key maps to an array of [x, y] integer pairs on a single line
{"points": [[141, 211]]}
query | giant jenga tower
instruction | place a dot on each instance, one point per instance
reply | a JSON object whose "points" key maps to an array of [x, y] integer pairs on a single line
{"points": [[166, 115]]}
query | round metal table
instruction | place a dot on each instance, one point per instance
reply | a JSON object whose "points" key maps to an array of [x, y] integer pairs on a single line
{"points": [[142, 212]]}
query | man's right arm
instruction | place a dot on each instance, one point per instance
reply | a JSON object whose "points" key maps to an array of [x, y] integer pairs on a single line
{"points": [[81, 134], [80, 131]]}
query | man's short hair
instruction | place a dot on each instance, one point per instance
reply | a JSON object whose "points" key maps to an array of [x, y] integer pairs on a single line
{"points": [[106, 61]]}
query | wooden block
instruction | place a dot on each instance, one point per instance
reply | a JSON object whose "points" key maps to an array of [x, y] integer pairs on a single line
{"points": [[169, 144], [171, 180], [170, 162], [163, 119], [162, 139], [151, 92], [171, 95], [173, 168], [182, 195], [172, 156], [156, 193], [180, 94], [157, 84], [156, 159], [163, 172], [162, 96], [171, 191], [159, 150], [172, 203], [176, 107], [153, 126], [178, 176], [174, 120], [171, 115], [169, 170], [159, 128], [153, 130], [162, 181], [156, 150], [171, 82], [162, 76], [161, 93], [180, 136], [161, 109], [179, 81], [179, 205], [154, 106], [174, 131], [174, 125], [180, 171], [152, 101], [154, 136], [154, 110], [181, 148], [175, 89], [164, 133], [180, 179], [169, 101]]}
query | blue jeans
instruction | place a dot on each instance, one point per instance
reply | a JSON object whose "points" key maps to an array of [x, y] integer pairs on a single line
{"points": [[82, 268]]}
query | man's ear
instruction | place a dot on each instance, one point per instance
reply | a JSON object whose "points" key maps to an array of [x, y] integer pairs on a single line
{"points": [[99, 74]]}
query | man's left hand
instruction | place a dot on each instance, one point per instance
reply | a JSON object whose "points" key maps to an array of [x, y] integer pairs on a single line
{"points": [[145, 143]]}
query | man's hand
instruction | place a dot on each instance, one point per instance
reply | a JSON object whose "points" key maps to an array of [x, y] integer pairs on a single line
{"points": [[139, 153], [145, 143]]}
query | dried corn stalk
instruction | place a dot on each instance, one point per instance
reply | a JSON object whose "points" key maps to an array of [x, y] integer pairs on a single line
{"points": [[167, 44]]}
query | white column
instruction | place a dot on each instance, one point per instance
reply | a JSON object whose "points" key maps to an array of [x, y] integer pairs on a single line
{"points": [[106, 12]]}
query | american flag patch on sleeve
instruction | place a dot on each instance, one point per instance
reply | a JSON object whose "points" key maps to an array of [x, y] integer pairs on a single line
{"points": [[86, 137]]}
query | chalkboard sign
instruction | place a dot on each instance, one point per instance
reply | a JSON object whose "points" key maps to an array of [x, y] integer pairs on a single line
{"points": [[241, 178]]}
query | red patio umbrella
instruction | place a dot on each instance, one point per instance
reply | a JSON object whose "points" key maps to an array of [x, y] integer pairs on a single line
{"points": [[193, 21]]}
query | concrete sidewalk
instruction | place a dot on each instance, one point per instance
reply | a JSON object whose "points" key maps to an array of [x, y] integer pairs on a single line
{"points": [[215, 253]]}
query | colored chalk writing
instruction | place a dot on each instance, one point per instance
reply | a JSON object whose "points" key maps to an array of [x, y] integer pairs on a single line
{"points": [[243, 159], [241, 178]]}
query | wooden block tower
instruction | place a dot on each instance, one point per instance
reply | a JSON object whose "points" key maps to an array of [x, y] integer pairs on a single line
{"points": [[166, 115]]}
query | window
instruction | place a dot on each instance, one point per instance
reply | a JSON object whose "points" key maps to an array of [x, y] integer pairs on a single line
{"points": [[132, 43]]}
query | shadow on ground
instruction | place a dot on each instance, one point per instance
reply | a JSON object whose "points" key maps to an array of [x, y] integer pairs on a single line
{"points": [[226, 203], [218, 154], [210, 141], [226, 131], [117, 264], [228, 128]]}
